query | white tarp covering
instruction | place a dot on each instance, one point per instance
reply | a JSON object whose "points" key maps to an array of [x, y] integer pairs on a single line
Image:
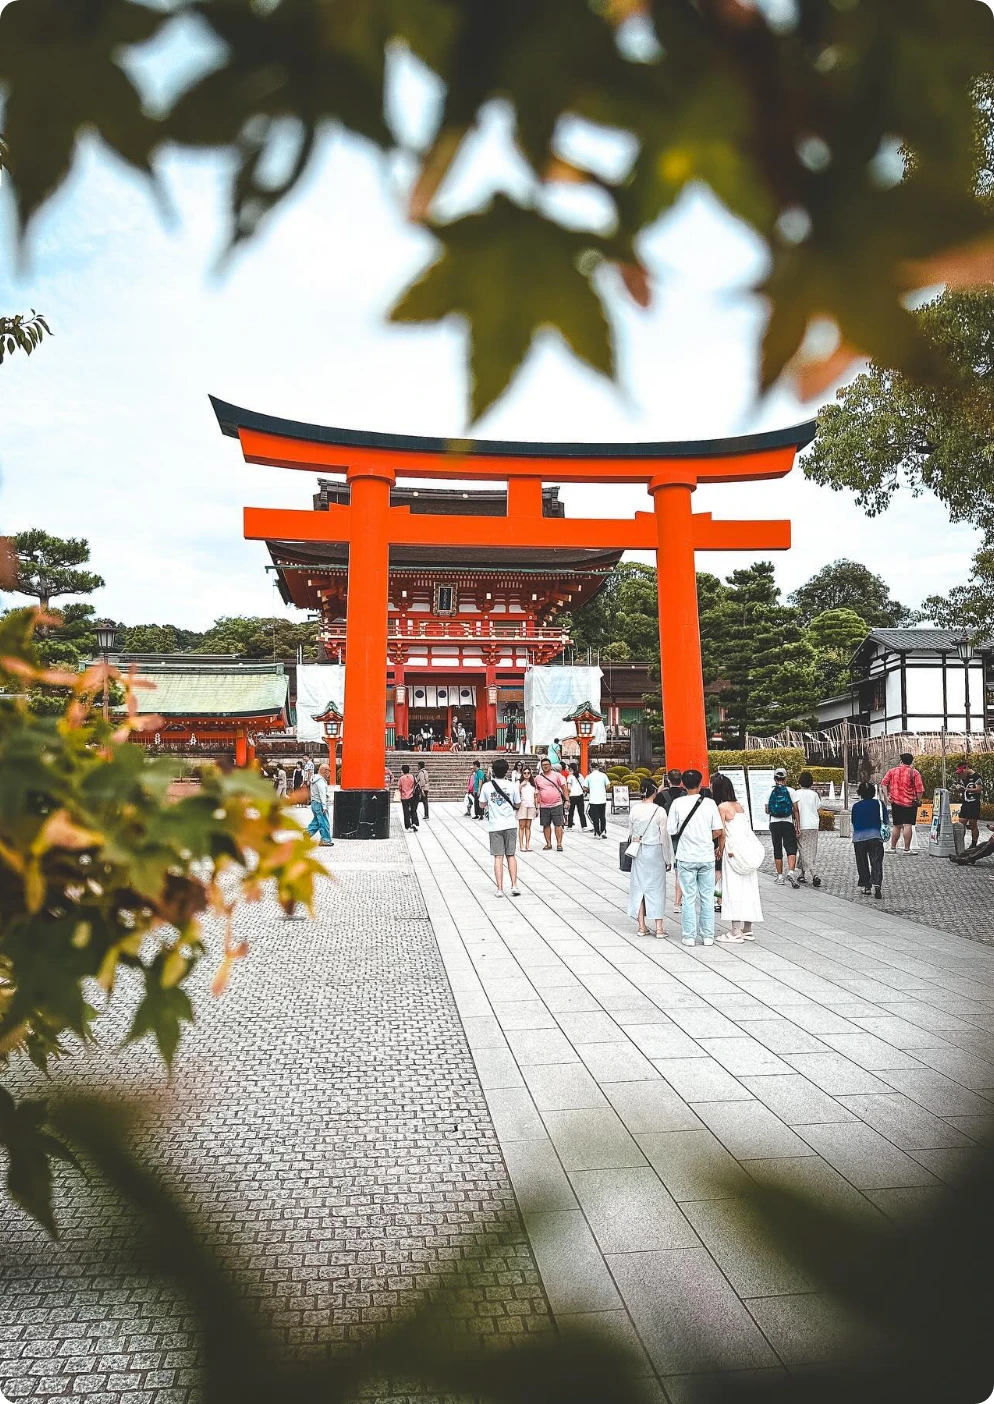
{"points": [[550, 693], [317, 685]]}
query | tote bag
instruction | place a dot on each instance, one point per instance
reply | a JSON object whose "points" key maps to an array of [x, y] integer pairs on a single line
{"points": [[748, 856]]}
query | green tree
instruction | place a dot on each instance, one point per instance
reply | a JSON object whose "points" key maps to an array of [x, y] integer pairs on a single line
{"points": [[48, 566], [250, 637], [790, 115], [149, 638], [887, 431], [847, 585], [623, 616], [22, 333], [835, 635], [753, 646], [969, 607]]}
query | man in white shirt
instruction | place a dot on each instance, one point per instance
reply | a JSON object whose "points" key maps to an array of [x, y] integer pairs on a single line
{"points": [[499, 799], [597, 785], [321, 807], [808, 820], [695, 827]]}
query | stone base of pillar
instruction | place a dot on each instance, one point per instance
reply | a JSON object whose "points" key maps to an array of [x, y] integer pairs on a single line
{"points": [[361, 814]]}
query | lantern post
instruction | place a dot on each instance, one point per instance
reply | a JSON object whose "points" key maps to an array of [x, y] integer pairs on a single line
{"points": [[585, 718], [331, 722]]}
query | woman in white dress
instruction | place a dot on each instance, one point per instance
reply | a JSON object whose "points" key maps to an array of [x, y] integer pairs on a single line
{"points": [[652, 860], [740, 903]]}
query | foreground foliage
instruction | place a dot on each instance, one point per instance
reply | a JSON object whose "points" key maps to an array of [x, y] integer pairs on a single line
{"points": [[101, 872], [843, 134]]}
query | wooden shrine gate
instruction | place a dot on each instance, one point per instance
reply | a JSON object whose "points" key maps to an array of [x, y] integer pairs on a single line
{"points": [[373, 462]]}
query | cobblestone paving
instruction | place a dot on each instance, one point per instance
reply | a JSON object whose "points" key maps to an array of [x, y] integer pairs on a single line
{"points": [[326, 1116], [930, 891]]}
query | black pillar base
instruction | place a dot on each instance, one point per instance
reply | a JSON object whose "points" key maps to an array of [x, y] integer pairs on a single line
{"points": [[361, 814]]}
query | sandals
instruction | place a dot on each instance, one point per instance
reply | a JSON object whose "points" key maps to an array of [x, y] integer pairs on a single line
{"points": [[642, 931], [559, 849]]}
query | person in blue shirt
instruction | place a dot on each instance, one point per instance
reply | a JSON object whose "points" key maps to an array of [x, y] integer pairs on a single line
{"points": [[868, 815]]}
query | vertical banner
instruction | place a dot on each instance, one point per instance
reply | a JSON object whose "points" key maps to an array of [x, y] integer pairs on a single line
{"points": [[760, 785]]}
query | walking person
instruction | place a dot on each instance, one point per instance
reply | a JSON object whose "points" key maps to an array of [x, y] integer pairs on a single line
{"points": [[550, 791], [597, 788], [555, 754], [527, 810], [470, 797], [500, 799], [479, 780], [807, 812], [281, 784], [421, 783], [969, 810], [308, 770], [741, 859], [297, 780], [695, 826], [780, 808], [902, 788], [651, 861], [577, 797], [869, 815], [408, 798], [321, 807]]}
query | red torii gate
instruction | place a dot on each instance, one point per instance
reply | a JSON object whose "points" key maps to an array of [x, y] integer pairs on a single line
{"points": [[372, 463]]}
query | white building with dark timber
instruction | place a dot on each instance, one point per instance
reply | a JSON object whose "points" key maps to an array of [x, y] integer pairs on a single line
{"points": [[916, 680]]}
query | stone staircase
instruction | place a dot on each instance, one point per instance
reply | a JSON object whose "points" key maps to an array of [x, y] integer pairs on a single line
{"points": [[448, 771]]}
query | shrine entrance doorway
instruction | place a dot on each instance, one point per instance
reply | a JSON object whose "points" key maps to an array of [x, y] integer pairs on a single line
{"points": [[371, 464]]}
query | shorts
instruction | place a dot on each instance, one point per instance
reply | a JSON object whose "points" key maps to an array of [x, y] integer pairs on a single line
{"points": [[784, 836], [904, 813], [969, 809], [503, 842], [551, 816]]}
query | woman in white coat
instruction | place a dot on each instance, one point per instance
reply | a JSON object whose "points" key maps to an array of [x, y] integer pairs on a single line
{"points": [[740, 903], [652, 860]]}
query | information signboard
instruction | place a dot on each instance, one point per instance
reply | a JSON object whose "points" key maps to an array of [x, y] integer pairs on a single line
{"points": [[760, 785], [621, 799], [737, 776]]}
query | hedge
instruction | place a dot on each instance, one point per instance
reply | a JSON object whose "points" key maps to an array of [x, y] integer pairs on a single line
{"points": [[931, 771], [826, 774], [791, 760]]}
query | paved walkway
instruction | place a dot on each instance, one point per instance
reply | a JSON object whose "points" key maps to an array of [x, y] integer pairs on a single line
{"points": [[640, 1089]]}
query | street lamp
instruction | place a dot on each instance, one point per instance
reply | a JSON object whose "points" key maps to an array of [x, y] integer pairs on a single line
{"points": [[964, 650], [106, 632], [584, 717], [331, 723]]}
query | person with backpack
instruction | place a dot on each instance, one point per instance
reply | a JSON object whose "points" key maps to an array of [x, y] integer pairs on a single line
{"points": [[782, 809], [741, 859], [499, 800], [695, 826]]}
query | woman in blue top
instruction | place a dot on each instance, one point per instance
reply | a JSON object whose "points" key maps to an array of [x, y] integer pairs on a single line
{"points": [[868, 815]]}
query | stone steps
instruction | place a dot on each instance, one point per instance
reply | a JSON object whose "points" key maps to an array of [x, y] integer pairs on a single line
{"points": [[448, 771]]}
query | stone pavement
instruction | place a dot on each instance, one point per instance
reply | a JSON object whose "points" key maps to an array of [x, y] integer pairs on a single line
{"points": [[639, 1090], [326, 1117], [927, 890]]}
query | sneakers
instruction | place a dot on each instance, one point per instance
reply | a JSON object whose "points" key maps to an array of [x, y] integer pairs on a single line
{"points": [[801, 877], [688, 941], [499, 892], [816, 882], [779, 880], [877, 893], [515, 891], [791, 878], [707, 941]]}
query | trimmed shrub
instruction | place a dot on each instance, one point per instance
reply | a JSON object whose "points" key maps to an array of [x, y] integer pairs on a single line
{"points": [[825, 774], [791, 760], [826, 820]]}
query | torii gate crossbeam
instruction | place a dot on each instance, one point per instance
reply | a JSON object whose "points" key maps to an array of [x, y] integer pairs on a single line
{"points": [[372, 463]]}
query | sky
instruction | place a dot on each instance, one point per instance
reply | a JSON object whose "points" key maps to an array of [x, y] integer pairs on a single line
{"points": [[106, 431]]}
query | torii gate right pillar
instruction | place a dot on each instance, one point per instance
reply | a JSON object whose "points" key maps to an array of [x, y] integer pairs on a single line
{"points": [[684, 724]]}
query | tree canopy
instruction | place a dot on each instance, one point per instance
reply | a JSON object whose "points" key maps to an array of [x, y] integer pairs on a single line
{"points": [[842, 134], [48, 566], [885, 431], [847, 585]]}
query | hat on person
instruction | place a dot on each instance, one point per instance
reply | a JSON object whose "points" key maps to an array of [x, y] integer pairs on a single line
{"points": [[780, 773]]}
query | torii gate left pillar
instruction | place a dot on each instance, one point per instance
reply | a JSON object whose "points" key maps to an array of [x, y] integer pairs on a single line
{"points": [[370, 526]]}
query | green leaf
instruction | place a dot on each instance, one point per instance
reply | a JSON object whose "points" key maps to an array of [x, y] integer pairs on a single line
{"points": [[31, 1146], [511, 273], [162, 1012]]}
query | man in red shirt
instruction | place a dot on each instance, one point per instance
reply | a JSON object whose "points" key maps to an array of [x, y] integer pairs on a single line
{"points": [[408, 803], [903, 788], [550, 792]]}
